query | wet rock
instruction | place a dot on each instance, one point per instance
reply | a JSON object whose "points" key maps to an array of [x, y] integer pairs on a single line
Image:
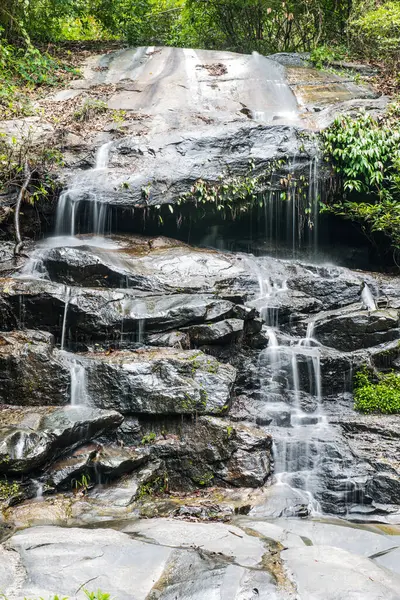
{"points": [[230, 541], [102, 315], [375, 439], [212, 450], [7, 258], [31, 437], [314, 568], [171, 339], [291, 59], [186, 560], [96, 462], [135, 486], [31, 372], [351, 330], [224, 332], [148, 264], [159, 381]]}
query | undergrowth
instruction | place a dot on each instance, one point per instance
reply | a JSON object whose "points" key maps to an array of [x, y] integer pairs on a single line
{"points": [[22, 71], [365, 155], [377, 394]]}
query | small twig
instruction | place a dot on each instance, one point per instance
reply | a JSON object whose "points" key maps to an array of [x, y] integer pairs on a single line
{"points": [[19, 243]]}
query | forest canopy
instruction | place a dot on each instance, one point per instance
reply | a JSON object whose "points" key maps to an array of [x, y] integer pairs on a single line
{"points": [[369, 28]]}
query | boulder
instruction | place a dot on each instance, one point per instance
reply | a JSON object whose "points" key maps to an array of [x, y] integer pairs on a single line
{"points": [[158, 381], [353, 329], [211, 451], [375, 439], [142, 263], [223, 332], [98, 463], [30, 438], [31, 372]]}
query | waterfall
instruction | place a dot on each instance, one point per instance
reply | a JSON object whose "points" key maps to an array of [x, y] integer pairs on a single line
{"points": [[291, 387], [102, 156], [367, 297], [79, 393], [39, 490], [82, 193], [64, 324]]}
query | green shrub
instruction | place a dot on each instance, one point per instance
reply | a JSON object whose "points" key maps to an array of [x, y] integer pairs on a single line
{"points": [[376, 33], [324, 55], [381, 396], [365, 154]]}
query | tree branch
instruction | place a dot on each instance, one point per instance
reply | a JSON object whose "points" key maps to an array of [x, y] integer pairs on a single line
{"points": [[19, 243]]}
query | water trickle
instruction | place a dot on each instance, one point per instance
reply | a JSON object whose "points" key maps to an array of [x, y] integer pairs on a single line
{"points": [[102, 156], [367, 298], [19, 447], [82, 197], [39, 490], [64, 324], [79, 393]]}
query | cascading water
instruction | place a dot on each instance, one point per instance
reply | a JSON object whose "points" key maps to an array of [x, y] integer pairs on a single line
{"points": [[65, 317], [291, 386], [79, 394], [83, 190]]}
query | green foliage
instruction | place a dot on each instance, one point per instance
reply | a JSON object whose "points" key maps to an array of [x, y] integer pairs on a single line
{"points": [[324, 55], [365, 153], [42, 159], [21, 70], [99, 595], [380, 396], [82, 484], [375, 33], [149, 438], [8, 489]]}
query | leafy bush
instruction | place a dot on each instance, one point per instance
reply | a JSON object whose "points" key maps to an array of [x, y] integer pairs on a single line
{"points": [[324, 55], [382, 396], [365, 155], [23, 69], [376, 33]]}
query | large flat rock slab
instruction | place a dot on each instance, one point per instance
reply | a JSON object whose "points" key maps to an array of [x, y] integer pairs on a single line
{"points": [[142, 263], [326, 573], [90, 315]]}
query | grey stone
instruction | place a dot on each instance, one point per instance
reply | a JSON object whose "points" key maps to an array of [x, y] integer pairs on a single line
{"points": [[223, 332], [31, 373], [315, 568], [31, 437], [95, 315], [351, 330], [159, 381]]}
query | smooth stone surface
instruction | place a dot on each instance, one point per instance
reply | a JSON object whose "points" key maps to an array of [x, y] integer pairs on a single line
{"points": [[103, 315], [326, 573], [348, 331], [149, 264], [229, 540], [339, 535], [62, 561]]}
